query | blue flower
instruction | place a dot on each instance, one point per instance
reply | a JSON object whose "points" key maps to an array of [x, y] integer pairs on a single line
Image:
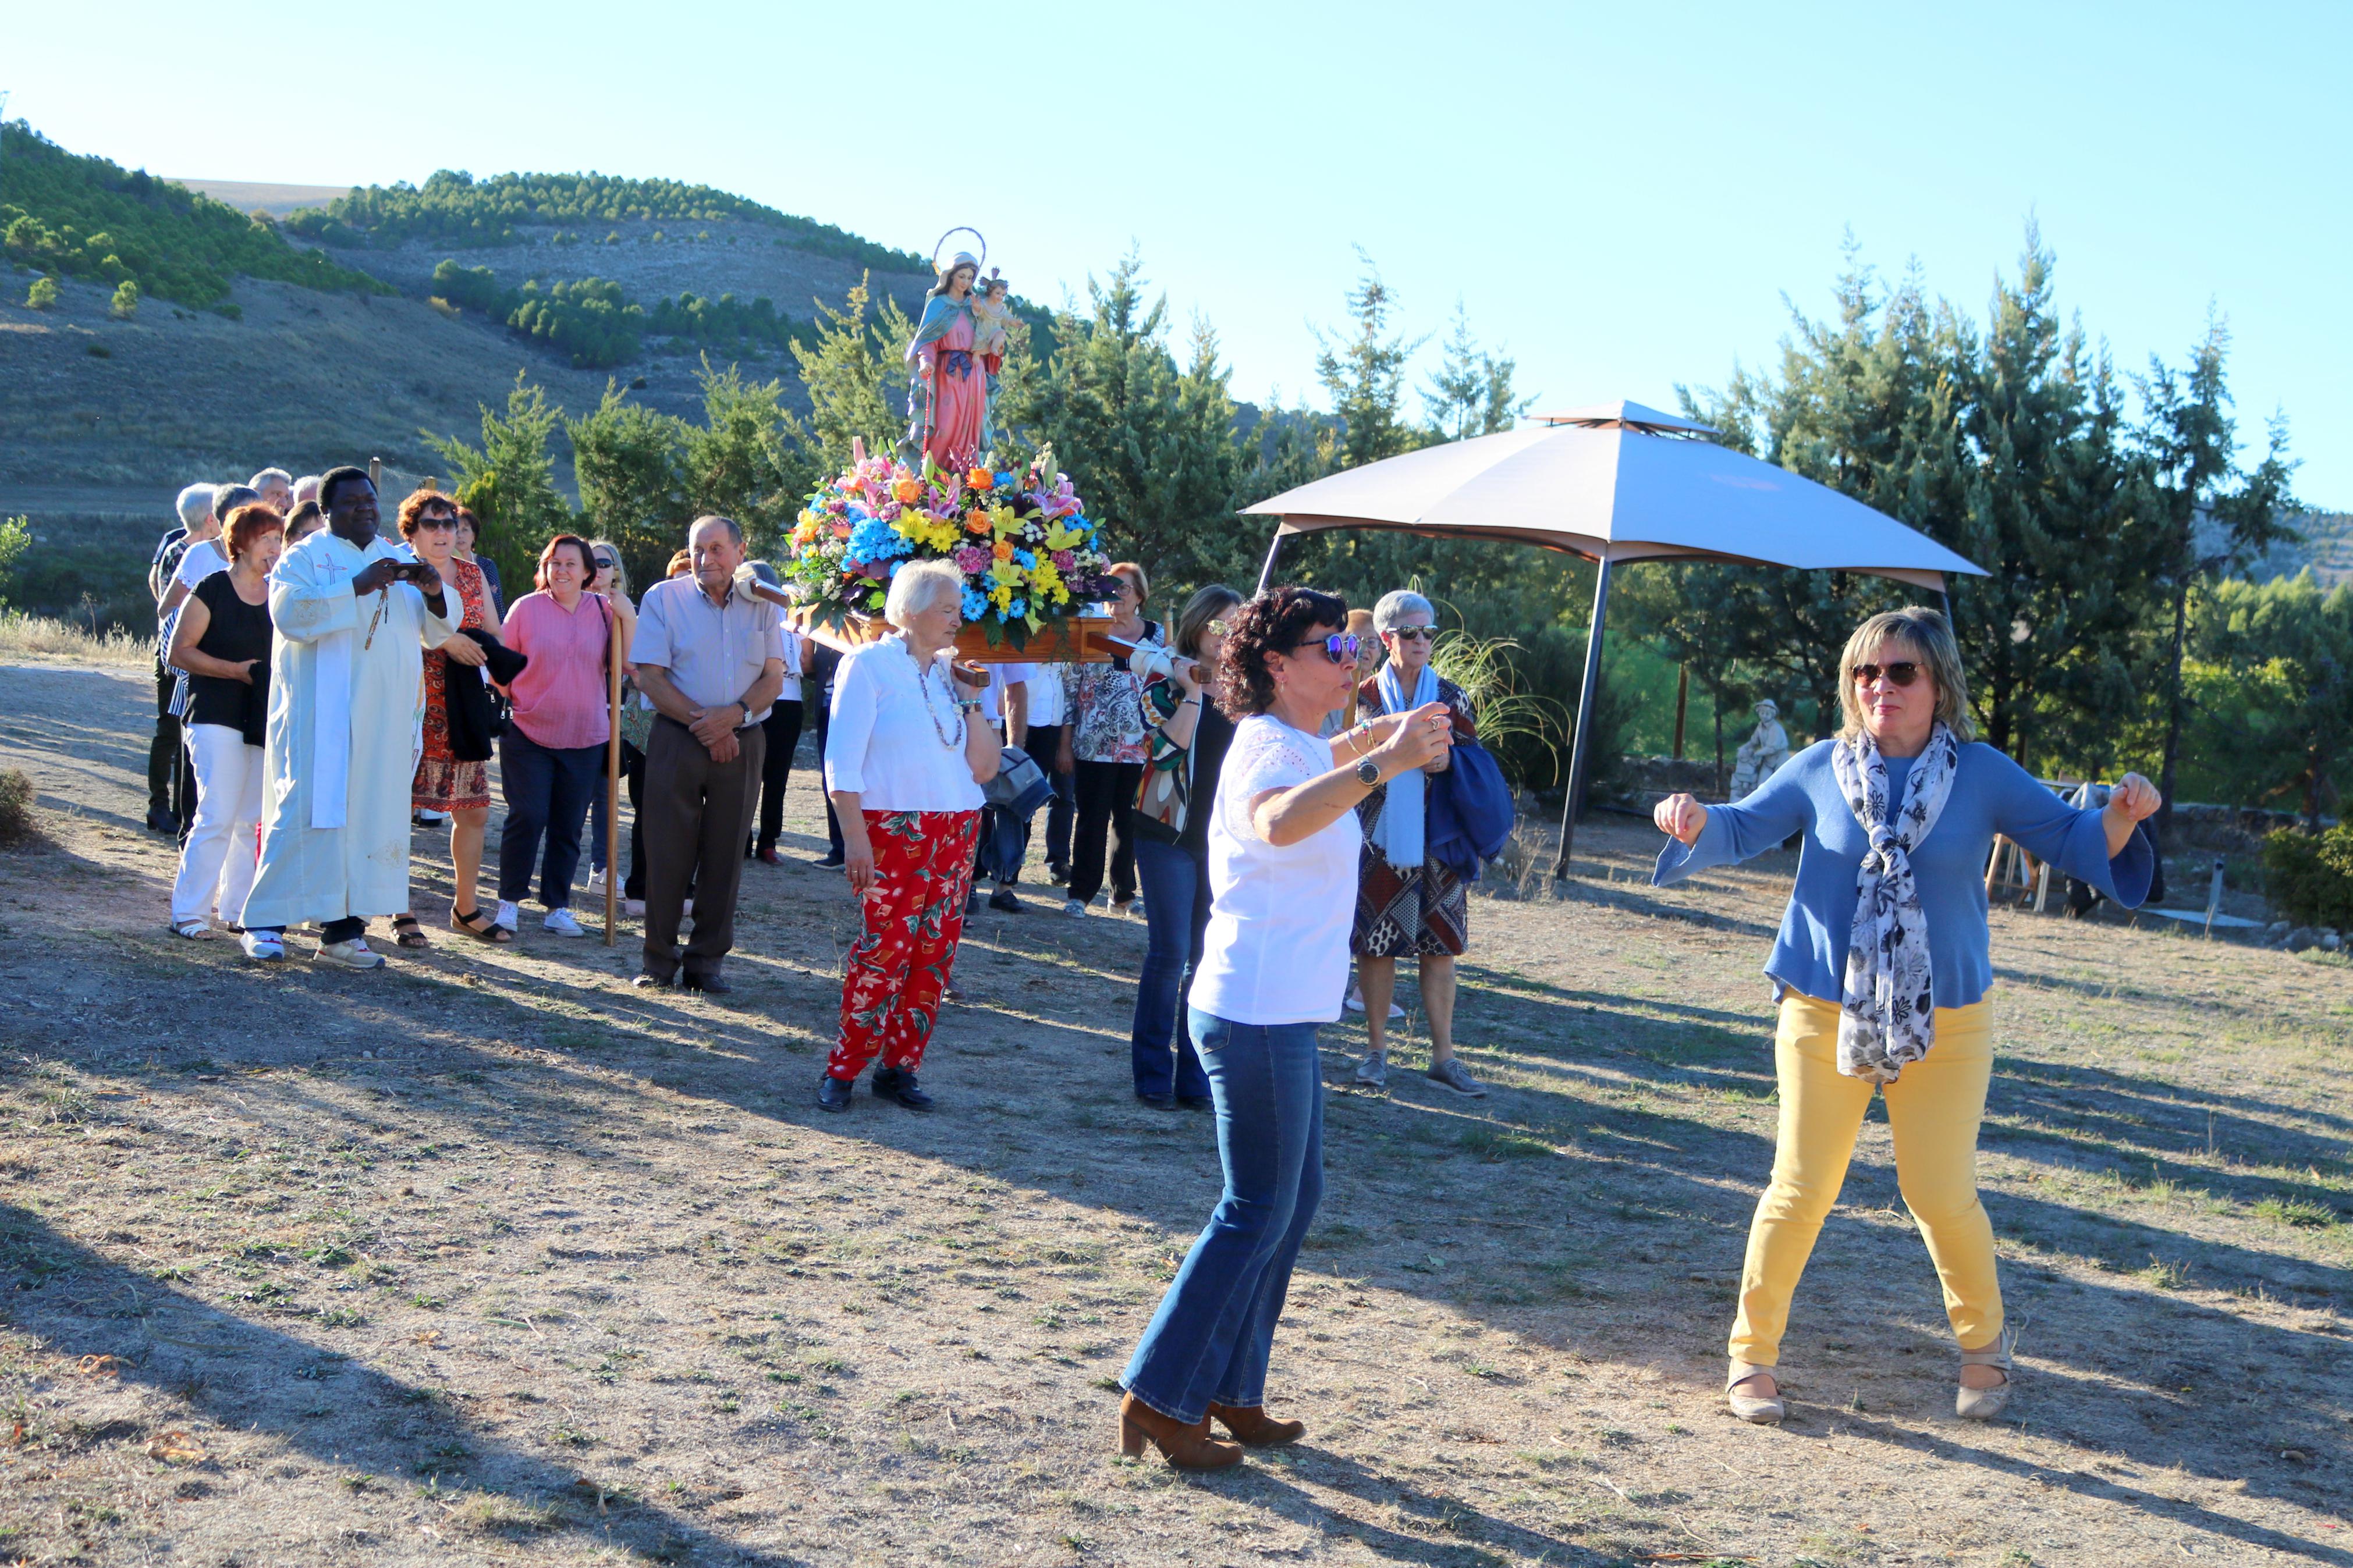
{"points": [[1028, 558], [1016, 609], [975, 605], [873, 539], [1005, 481]]}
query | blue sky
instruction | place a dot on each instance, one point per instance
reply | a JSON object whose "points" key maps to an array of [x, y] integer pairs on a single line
{"points": [[1620, 196]]}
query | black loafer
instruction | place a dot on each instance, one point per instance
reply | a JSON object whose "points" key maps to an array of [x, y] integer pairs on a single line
{"points": [[1058, 875], [1003, 898], [833, 1093], [1157, 1101], [710, 985], [829, 863], [892, 1083], [1195, 1102]]}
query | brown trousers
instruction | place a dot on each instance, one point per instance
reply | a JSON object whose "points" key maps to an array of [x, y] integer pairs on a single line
{"points": [[696, 813]]}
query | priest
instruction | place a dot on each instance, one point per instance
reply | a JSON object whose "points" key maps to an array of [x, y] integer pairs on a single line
{"points": [[354, 619]]}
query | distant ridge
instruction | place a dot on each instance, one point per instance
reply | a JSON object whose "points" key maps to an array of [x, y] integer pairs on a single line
{"points": [[253, 195]]}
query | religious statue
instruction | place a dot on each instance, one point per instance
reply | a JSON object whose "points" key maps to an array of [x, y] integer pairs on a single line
{"points": [[993, 319], [951, 374], [1767, 748]]}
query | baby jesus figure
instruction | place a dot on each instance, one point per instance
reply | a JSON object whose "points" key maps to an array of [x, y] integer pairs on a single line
{"points": [[991, 315]]}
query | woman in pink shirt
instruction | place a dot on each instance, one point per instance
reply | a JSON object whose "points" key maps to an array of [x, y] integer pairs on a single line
{"points": [[552, 753]]}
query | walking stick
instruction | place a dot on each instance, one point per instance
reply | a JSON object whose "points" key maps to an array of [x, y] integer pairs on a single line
{"points": [[612, 785]]}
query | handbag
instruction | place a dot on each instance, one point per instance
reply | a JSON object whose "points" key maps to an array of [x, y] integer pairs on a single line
{"points": [[1471, 812], [1020, 787]]}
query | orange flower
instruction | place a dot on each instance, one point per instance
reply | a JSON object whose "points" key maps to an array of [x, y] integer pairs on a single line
{"points": [[980, 478], [907, 489], [1004, 550], [975, 522]]}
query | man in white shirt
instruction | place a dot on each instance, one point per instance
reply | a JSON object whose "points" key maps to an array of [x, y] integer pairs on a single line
{"points": [[1005, 703], [1046, 719]]}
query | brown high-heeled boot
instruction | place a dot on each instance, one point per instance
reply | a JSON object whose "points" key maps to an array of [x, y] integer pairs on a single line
{"points": [[1250, 1424], [1187, 1448]]}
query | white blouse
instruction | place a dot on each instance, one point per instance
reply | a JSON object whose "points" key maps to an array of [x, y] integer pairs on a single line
{"points": [[895, 735], [1276, 948]]}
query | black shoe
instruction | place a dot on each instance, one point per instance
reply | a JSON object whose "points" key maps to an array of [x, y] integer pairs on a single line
{"points": [[1157, 1101], [161, 820], [709, 983], [1003, 898], [648, 981], [1058, 875], [895, 1083], [1195, 1102], [832, 860], [833, 1093], [972, 904]]}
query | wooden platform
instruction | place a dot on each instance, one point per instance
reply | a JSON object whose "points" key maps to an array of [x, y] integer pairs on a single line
{"points": [[1072, 639]]}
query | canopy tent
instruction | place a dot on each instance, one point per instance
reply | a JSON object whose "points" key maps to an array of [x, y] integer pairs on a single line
{"points": [[1614, 482]]}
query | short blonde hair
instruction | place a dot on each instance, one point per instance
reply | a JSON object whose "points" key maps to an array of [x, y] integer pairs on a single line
{"points": [[917, 587], [1932, 635]]}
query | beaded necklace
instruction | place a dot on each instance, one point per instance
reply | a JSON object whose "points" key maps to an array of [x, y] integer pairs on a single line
{"points": [[930, 710]]}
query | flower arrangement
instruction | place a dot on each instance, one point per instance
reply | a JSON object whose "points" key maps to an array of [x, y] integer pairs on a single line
{"points": [[1022, 540]]}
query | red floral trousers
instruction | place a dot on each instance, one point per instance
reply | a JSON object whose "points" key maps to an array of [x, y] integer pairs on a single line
{"points": [[914, 915]]}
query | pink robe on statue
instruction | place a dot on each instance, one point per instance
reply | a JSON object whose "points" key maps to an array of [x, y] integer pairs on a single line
{"points": [[959, 384]]}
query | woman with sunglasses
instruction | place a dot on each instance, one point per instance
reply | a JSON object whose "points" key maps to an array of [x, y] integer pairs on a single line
{"points": [[1883, 972], [1283, 873], [1406, 903], [610, 577]]}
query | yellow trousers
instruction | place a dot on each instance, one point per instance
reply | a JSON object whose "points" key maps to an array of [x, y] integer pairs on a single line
{"points": [[1933, 1110]]}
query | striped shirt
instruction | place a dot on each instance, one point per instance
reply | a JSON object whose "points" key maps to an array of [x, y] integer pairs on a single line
{"points": [[560, 697]]}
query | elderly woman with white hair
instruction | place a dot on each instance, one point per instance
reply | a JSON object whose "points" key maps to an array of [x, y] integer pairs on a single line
{"points": [[904, 761], [1406, 903], [171, 784]]}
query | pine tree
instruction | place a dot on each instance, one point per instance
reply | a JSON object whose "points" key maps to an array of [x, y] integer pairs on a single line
{"points": [[126, 300], [509, 481], [2210, 516], [857, 387], [628, 463], [740, 461], [1471, 393], [1364, 374]]}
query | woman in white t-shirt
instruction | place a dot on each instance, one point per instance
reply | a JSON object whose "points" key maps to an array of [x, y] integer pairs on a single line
{"points": [[1282, 879], [905, 755]]}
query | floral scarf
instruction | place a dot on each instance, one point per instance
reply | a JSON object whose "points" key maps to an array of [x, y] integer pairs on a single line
{"points": [[1887, 1018]]}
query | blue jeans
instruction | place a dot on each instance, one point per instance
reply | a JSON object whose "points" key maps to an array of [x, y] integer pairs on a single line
{"points": [[1176, 885], [1215, 1329], [547, 793]]}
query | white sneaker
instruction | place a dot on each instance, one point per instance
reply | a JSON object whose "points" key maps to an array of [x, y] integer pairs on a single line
{"points": [[1074, 909], [596, 889], [263, 947], [508, 916], [633, 908], [560, 922], [352, 954], [1356, 1003]]}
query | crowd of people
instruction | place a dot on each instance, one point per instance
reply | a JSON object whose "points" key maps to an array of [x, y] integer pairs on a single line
{"points": [[1276, 784]]}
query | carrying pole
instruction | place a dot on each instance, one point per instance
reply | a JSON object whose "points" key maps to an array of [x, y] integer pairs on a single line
{"points": [[1580, 750], [612, 782], [1275, 548]]}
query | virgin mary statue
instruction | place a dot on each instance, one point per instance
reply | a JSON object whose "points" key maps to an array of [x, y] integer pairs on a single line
{"points": [[947, 388]]}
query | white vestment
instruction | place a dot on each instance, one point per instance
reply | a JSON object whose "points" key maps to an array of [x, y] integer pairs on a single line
{"points": [[346, 707]]}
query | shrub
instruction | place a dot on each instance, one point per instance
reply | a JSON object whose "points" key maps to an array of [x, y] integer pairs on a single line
{"points": [[15, 806], [43, 293], [126, 301], [2308, 877]]}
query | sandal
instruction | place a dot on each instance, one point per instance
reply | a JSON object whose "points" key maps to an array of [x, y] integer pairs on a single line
{"points": [[1760, 1410], [480, 927], [407, 932], [195, 930], [1985, 1403]]}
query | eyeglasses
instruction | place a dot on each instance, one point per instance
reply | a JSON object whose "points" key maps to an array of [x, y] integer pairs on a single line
{"points": [[437, 520], [1340, 649], [1902, 672], [1418, 634]]}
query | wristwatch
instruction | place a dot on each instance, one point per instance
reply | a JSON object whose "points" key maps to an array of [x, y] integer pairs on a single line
{"points": [[1368, 772]]}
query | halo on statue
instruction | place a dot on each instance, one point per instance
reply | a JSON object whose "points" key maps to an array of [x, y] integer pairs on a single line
{"points": [[960, 228]]}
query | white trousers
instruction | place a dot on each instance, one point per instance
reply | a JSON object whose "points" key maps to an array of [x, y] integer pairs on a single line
{"points": [[217, 863]]}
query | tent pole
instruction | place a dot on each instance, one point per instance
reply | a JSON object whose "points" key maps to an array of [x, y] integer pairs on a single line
{"points": [[1580, 751], [1266, 573]]}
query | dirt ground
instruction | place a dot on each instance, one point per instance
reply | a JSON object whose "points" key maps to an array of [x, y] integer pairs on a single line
{"points": [[488, 1257]]}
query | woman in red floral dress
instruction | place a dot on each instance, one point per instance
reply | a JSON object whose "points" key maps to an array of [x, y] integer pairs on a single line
{"points": [[428, 522]]}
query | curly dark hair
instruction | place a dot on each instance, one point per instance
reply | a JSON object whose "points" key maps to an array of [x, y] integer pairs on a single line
{"points": [[1272, 622]]}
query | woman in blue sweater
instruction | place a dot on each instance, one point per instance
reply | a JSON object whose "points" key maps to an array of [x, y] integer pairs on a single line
{"points": [[1882, 969]]}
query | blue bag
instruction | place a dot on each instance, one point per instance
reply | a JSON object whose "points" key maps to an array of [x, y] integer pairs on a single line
{"points": [[1471, 812]]}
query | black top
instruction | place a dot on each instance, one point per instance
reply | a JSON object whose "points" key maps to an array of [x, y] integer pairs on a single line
{"points": [[490, 571], [238, 631], [1212, 733]]}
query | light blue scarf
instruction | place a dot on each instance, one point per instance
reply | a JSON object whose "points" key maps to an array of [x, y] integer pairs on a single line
{"points": [[1398, 834]]}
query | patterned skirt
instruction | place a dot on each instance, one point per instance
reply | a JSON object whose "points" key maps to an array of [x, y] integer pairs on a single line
{"points": [[1418, 912], [443, 783]]}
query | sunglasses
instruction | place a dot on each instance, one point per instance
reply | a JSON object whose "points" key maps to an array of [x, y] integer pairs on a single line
{"points": [[603, 563], [1220, 627], [1902, 672], [1340, 649], [1417, 634]]}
